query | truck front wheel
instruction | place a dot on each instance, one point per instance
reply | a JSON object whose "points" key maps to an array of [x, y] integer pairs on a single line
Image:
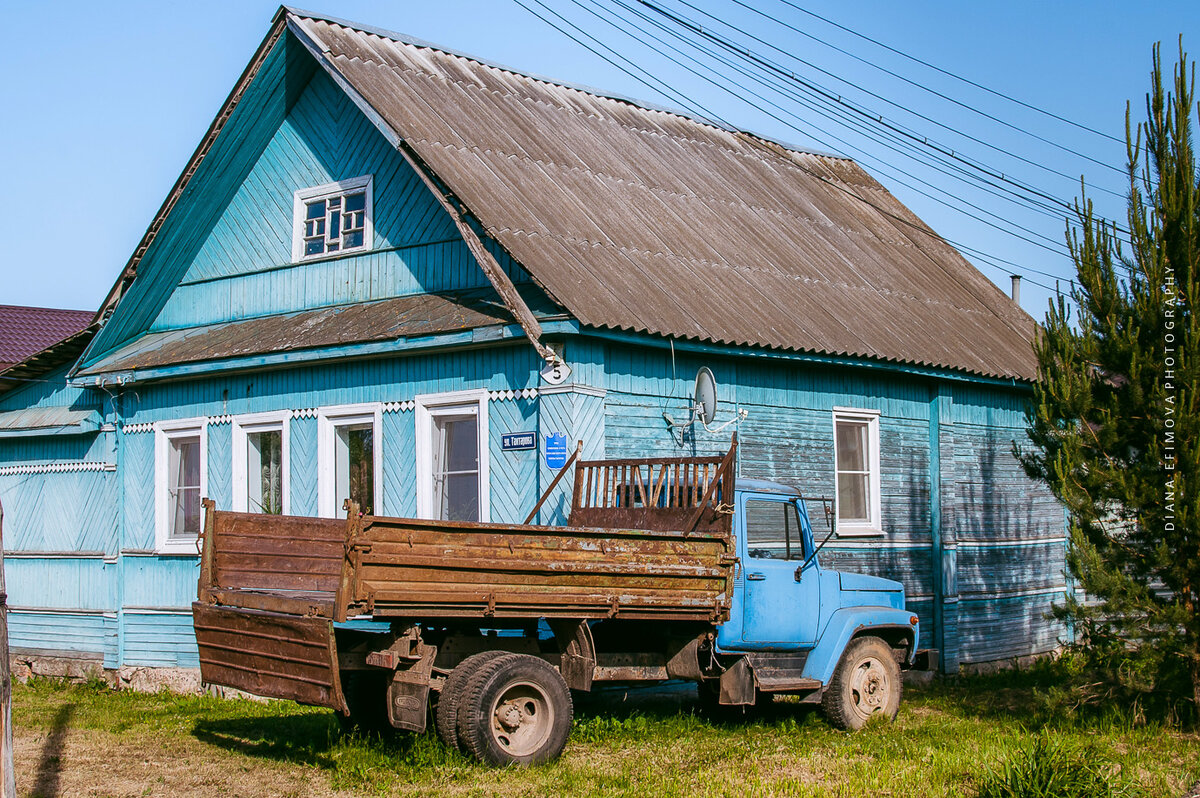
{"points": [[515, 710], [865, 684]]}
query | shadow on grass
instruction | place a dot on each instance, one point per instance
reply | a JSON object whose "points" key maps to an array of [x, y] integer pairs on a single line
{"points": [[310, 739], [316, 739], [45, 783], [673, 700]]}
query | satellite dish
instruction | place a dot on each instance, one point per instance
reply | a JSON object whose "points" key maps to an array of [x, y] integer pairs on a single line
{"points": [[706, 395]]}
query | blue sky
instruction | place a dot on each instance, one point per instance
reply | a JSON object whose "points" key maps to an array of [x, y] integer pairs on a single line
{"points": [[106, 102]]}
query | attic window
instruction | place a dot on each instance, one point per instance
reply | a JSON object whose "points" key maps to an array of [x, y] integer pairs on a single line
{"points": [[332, 219]]}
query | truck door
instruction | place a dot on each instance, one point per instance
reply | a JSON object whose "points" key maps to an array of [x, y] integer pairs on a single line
{"points": [[779, 610]]}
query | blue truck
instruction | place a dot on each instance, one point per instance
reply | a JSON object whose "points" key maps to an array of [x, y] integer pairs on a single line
{"points": [[667, 569]]}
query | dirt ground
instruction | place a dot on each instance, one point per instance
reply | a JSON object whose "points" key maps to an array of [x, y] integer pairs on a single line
{"points": [[87, 762]]}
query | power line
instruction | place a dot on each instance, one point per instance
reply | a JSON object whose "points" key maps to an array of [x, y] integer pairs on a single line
{"points": [[867, 115], [866, 156], [663, 88], [909, 81], [838, 186], [908, 110], [949, 74]]}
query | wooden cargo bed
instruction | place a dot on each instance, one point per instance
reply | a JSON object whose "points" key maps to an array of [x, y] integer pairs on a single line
{"points": [[279, 583]]}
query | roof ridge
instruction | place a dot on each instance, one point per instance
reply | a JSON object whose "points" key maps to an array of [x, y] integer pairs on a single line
{"points": [[645, 105]]}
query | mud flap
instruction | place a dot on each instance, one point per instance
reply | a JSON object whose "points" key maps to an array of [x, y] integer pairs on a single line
{"points": [[269, 654]]}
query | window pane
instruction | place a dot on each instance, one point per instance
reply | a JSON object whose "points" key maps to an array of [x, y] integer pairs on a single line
{"points": [[773, 531], [356, 202], [354, 239], [456, 467], [362, 467], [354, 466], [314, 247], [335, 224], [852, 497], [264, 472], [315, 210], [851, 446], [184, 487], [460, 498], [462, 441]]}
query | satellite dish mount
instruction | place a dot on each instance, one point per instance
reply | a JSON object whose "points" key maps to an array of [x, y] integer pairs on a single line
{"points": [[704, 405]]}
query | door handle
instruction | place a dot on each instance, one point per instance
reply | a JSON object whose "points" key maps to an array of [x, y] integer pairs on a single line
{"points": [[754, 576]]}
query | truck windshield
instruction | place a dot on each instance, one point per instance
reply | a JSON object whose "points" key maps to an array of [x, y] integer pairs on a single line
{"points": [[773, 530]]}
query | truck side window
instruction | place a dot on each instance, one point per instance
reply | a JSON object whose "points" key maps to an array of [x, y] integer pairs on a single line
{"points": [[773, 531]]}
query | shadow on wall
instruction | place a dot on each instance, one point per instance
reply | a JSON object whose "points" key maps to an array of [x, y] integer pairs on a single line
{"points": [[1010, 558]]}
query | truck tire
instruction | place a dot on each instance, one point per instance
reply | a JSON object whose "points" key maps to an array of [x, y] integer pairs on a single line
{"points": [[516, 710], [446, 716], [866, 683]]}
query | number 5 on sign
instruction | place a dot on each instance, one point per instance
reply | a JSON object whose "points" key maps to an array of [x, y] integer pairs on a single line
{"points": [[556, 373]]}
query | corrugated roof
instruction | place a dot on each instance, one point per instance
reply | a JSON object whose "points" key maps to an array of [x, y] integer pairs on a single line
{"points": [[25, 331], [35, 367], [49, 421], [645, 220], [385, 320]]}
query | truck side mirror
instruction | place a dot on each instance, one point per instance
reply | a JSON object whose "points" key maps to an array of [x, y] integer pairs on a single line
{"points": [[799, 572]]}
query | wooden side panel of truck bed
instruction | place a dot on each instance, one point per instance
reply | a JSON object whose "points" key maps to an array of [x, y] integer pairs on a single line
{"points": [[271, 587], [421, 569]]}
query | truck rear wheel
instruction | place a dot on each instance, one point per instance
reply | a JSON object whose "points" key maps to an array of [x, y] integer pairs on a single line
{"points": [[516, 710], [865, 684], [446, 717]]}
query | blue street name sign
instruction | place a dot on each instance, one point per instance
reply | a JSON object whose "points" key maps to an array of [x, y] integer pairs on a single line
{"points": [[516, 441]]}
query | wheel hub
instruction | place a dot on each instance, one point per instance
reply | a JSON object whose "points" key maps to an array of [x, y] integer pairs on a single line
{"points": [[870, 687], [522, 718]]}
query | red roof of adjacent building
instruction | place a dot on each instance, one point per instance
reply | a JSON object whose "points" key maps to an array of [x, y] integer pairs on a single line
{"points": [[27, 331]]}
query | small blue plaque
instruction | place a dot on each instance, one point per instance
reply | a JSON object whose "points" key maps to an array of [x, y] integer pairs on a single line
{"points": [[556, 450], [516, 441]]}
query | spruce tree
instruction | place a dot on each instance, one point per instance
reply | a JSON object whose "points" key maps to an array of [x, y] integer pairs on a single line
{"points": [[1114, 419]]}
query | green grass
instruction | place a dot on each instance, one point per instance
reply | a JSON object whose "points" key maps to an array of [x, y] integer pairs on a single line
{"points": [[965, 737]]}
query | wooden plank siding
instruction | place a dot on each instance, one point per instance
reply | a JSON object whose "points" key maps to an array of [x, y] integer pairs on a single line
{"points": [[243, 269], [978, 546], [89, 635], [1002, 544], [1002, 549]]}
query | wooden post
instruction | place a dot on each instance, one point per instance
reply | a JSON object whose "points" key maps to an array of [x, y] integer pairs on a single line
{"points": [[554, 483], [8, 783]]}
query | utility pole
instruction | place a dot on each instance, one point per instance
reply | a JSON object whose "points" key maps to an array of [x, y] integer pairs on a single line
{"points": [[8, 779]]}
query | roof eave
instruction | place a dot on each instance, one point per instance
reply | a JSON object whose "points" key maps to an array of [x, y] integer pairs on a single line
{"points": [[129, 273]]}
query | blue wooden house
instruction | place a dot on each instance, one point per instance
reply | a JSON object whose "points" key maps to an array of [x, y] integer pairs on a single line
{"points": [[385, 257]]}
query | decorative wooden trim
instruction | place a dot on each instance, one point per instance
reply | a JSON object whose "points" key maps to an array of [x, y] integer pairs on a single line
{"points": [[56, 468]]}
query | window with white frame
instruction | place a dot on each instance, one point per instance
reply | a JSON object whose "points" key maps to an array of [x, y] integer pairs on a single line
{"points": [[179, 474], [332, 219], [452, 456], [260, 457], [349, 459], [856, 465]]}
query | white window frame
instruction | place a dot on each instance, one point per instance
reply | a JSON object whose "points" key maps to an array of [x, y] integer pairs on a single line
{"points": [[328, 420], [874, 526], [427, 407], [164, 433], [243, 427], [302, 197]]}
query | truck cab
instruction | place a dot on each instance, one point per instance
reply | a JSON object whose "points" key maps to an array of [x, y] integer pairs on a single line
{"points": [[794, 618]]}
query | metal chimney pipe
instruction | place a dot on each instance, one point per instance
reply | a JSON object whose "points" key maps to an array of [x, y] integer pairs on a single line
{"points": [[1016, 288]]}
